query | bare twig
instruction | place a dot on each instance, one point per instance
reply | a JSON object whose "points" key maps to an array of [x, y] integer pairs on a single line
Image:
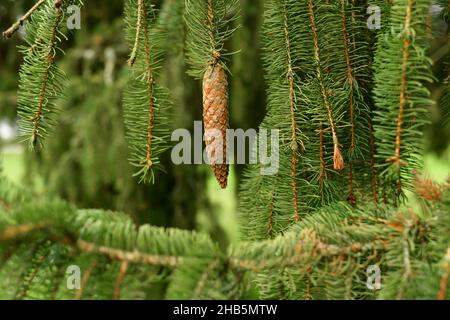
{"points": [[130, 256], [140, 18], [10, 32], [15, 231], [120, 276], [87, 274]]}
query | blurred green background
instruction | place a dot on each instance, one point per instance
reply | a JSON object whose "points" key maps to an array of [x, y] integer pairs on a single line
{"points": [[85, 161]]}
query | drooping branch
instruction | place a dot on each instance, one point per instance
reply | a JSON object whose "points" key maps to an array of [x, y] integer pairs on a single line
{"points": [[140, 18], [149, 74], [337, 156], [403, 91], [37, 118], [292, 109], [373, 169]]}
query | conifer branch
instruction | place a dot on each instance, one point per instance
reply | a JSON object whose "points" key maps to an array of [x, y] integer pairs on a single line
{"points": [[349, 80], [407, 272], [40, 254], [120, 277], [11, 30], [292, 105], [215, 53], [350, 76], [402, 104], [323, 172], [140, 16], [337, 156], [204, 278], [21, 230], [146, 103], [85, 279], [37, 118], [150, 81], [373, 169], [41, 81], [403, 89], [270, 219], [130, 256], [297, 257], [443, 283]]}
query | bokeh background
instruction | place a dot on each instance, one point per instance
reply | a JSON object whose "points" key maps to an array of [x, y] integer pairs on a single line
{"points": [[85, 160]]}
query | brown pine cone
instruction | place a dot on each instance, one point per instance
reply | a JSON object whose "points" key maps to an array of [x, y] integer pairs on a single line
{"points": [[215, 120]]}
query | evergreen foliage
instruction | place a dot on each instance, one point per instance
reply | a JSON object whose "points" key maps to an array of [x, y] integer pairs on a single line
{"points": [[350, 105], [401, 72], [41, 81], [324, 256], [210, 25], [146, 103]]}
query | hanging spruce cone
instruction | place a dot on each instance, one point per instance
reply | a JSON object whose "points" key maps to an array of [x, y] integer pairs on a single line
{"points": [[215, 120]]}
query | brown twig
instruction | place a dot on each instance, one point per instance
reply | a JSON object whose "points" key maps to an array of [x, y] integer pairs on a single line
{"points": [[15, 231], [337, 156], [403, 92], [135, 49], [351, 198], [294, 144], [373, 169], [120, 277], [130, 256], [443, 284], [150, 88], [323, 173], [11, 30], [204, 277], [87, 274], [270, 222]]}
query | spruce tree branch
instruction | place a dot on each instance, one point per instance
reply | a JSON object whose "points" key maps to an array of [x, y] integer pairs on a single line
{"points": [[39, 259], [86, 275], [403, 91], [120, 277], [443, 284], [270, 222], [150, 80], [13, 232], [130, 256], [323, 172], [373, 169], [12, 30], [299, 257], [337, 157], [349, 76], [140, 16], [406, 262], [216, 54], [36, 120], [204, 278], [294, 145], [351, 104]]}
